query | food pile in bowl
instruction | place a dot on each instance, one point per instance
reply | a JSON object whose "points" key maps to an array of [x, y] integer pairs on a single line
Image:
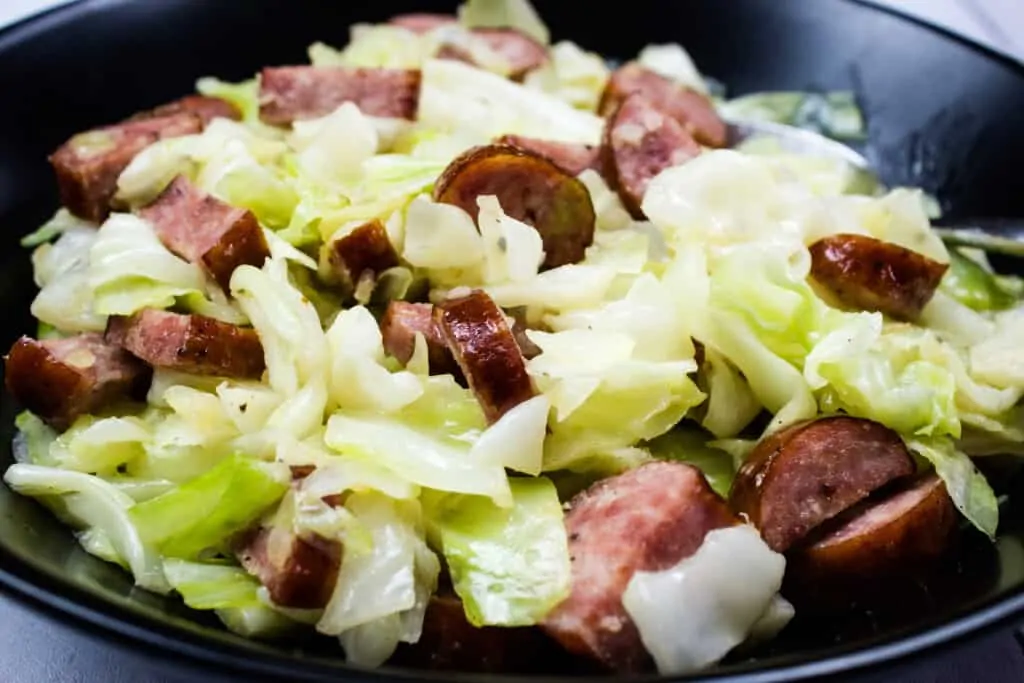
{"points": [[461, 346]]}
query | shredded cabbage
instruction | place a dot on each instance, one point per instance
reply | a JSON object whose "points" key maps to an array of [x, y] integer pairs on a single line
{"points": [[676, 337], [728, 586], [91, 503], [509, 566], [211, 586], [458, 97], [672, 61], [517, 14], [129, 269], [204, 513], [571, 74], [694, 448], [965, 484], [61, 270], [381, 594]]}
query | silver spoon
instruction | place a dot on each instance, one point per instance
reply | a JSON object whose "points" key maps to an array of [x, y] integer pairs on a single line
{"points": [[997, 235]]}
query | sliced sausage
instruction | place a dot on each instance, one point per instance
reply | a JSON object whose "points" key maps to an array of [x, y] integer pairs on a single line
{"points": [[647, 519], [867, 274], [691, 109], [399, 326], [62, 379], [522, 53], [573, 158], [479, 338], [89, 164], [300, 472], [530, 189], [450, 643], [298, 572], [422, 22], [206, 231], [294, 93], [640, 141], [519, 328], [206, 108], [899, 534], [193, 344], [806, 474], [366, 249]]}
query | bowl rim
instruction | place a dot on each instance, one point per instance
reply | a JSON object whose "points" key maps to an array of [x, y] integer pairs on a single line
{"points": [[104, 620]]}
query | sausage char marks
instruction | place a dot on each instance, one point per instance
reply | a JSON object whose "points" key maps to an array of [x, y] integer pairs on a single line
{"points": [[530, 189], [206, 231], [647, 519], [486, 351], [298, 572], [88, 165], [572, 157], [61, 379], [401, 321], [295, 93], [867, 274], [806, 474], [640, 141], [691, 109], [365, 250], [193, 344]]}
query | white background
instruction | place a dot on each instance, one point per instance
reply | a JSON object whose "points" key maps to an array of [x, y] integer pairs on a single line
{"points": [[997, 23]]}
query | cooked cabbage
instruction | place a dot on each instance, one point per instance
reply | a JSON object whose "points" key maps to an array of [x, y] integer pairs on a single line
{"points": [[728, 586], [509, 566], [685, 336]]}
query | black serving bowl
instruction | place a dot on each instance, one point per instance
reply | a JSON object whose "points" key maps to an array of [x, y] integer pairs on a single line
{"points": [[943, 114]]}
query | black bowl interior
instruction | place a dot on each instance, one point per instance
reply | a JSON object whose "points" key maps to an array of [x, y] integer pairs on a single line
{"points": [[943, 115]]}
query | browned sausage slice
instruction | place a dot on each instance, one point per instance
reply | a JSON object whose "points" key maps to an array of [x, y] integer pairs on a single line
{"points": [[871, 275], [691, 109], [899, 534], [479, 337], [189, 343], [422, 22], [640, 142], [293, 93], [810, 472], [206, 231], [62, 379], [206, 108], [89, 164], [573, 158], [530, 189], [647, 519], [450, 643], [366, 249], [399, 326], [519, 329], [298, 572]]}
